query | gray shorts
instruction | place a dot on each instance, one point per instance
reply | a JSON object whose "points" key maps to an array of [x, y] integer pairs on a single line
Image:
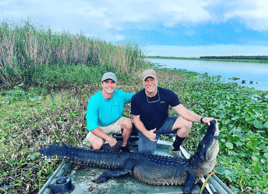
{"points": [[147, 146]]}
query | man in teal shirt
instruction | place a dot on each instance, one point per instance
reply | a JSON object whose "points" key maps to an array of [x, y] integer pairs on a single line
{"points": [[105, 115]]}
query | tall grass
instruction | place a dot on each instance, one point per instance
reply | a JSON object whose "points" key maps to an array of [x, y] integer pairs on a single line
{"points": [[26, 45]]}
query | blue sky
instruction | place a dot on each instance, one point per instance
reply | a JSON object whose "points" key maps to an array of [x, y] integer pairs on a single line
{"points": [[187, 28]]}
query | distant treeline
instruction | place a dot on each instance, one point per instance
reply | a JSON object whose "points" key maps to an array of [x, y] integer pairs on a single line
{"points": [[236, 57]]}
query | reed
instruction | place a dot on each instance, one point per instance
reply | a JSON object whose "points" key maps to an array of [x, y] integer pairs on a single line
{"points": [[25, 45]]}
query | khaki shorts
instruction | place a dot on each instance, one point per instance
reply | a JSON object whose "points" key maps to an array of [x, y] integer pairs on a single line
{"points": [[114, 128]]}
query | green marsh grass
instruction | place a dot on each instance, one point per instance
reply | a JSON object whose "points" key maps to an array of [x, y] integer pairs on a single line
{"points": [[25, 46]]}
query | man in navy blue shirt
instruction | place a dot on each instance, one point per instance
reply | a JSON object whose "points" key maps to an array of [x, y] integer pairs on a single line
{"points": [[149, 108]]}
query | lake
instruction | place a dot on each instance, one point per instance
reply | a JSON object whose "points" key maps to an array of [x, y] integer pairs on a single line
{"points": [[256, 72]]}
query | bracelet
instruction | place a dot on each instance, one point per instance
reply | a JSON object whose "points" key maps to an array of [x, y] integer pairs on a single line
{"points": [[201, 120]]}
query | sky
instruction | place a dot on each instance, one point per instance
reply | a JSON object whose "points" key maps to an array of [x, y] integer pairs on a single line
{"points": [[183, 28]]}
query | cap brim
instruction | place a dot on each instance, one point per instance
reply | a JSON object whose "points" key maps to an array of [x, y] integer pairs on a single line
{"points": [[110, 79], [148, 76]]}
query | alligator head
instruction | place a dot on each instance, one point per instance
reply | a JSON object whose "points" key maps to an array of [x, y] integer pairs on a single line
{"points": [[208, 149]]}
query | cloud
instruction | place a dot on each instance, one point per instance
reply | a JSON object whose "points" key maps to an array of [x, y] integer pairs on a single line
{"points": [[113, 14], [110, 19], [254, 14], [104, 17]]}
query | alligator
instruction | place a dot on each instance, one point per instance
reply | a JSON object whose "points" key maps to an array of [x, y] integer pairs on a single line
{"points": [[152, 169]]}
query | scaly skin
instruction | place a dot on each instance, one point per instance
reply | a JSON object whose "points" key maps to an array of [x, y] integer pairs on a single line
{"points": [[148, 168]]}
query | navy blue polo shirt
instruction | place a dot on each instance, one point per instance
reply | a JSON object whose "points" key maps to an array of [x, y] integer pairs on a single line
{"points": [[153, 111]]}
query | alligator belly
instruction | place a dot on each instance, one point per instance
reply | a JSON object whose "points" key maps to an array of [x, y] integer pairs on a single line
{"points": [[159, 174]]}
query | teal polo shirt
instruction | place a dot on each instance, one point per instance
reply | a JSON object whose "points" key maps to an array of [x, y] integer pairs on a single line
{"points": [[102, 112]]}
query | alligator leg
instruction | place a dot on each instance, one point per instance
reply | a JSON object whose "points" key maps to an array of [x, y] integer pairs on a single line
{"points": [[189, 184], [116, 173]]}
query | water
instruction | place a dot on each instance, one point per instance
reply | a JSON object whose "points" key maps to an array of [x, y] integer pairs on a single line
{"points": [[256, 72]]}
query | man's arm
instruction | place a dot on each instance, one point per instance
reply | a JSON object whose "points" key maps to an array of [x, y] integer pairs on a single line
{"points": [[140, 126], [191, 116], [128, 97], [100, 133]]}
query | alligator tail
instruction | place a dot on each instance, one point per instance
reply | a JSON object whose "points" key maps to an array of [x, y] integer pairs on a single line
{"points": [[95, 158]]}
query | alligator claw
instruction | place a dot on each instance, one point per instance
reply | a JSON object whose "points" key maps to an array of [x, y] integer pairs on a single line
{"points": [[101, 179]]}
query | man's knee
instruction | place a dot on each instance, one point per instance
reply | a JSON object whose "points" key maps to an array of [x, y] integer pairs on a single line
{"points": [[146, 149], [145, 145], [126, 124], [182, 126], [188, 124], [182, 123], [97, 143]]}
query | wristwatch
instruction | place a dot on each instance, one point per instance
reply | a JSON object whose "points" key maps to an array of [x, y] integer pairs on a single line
{"points": [[201, 120]]}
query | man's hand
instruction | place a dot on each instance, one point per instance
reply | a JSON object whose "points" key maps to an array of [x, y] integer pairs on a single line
{"points": [[151, 135], [112, 141], [207, 120]]}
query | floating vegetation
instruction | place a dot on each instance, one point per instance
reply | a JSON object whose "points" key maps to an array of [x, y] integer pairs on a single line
{"points": [[234, 78]]}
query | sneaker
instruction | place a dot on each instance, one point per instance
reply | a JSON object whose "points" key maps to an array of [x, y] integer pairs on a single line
{"points": [[86, 142], [177, 154]]}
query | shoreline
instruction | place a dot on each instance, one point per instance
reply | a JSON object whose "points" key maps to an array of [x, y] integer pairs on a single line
{"points": [[241, 79], [199, 59]]}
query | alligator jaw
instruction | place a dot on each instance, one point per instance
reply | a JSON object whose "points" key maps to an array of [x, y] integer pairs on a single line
{"points": [[213, 144], [207, 150]]}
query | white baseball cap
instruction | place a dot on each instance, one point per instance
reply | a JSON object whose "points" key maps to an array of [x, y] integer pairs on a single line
{"points": [[109, 75]]}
